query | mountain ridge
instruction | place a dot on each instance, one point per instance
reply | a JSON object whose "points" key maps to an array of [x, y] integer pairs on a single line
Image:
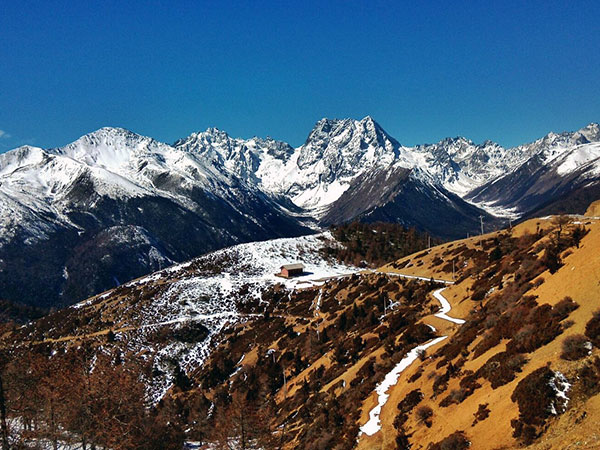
{"points": [[214, 190]]}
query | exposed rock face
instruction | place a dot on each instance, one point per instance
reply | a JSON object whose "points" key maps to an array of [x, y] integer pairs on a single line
{"points": [[166, 203]]}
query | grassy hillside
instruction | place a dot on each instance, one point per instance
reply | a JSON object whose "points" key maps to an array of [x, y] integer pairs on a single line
{"points": [[300, 369], [520, 316]]}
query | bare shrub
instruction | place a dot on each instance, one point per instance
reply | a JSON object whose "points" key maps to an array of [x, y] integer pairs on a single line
{"points": [[481, 414], [564, 307], [589, 376], [456, 441], [424, 414], [538, 398], [575, 347], [592, 329]]}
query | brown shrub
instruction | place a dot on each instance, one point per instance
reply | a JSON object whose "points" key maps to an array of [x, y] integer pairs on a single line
{"points": [[589, 377], [440, 383], [456, 441], [481, 414], [455, 396], [415, 376], [575, 347], [411, 400], [592, 329], [564, 307], [424, 414], [536, 395], [500, 369]]}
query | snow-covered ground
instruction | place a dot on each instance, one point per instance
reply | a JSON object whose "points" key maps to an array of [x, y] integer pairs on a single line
{"points": [[373, 425], [208, 290], [445, 308]]}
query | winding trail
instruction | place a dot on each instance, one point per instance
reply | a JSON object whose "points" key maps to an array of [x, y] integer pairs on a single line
{"points": [[374, 424], [445, 308], [413, 277]]}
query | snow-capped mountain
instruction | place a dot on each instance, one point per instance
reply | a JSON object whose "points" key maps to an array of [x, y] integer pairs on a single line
{"points": [[559, 168], [311, 176], [114, 205], [336, 153]]}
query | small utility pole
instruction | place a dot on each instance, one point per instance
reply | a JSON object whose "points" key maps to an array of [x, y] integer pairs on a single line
{"points": [[428, 241], [481, 221]]}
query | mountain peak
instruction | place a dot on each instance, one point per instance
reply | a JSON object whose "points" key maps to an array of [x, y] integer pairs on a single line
{"points": [[109, 147], [20, 156], [112, 132], [215, 131], [369, 120], [591, 132]]}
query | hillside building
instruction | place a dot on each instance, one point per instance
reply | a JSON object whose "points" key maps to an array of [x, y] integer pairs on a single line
{"points": [[291, 270]]}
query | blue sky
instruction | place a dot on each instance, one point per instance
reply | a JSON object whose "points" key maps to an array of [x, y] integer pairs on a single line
{"points": [[506, 71]]}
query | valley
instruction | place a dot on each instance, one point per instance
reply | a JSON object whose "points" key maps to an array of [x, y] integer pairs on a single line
{"points": [[435, 347]]}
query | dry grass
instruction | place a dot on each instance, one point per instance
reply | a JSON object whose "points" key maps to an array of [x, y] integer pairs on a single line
{"points": [[578, 278]]}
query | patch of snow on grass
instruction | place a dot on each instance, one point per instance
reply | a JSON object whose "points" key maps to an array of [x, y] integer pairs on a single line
{"points": [[374, 424], [208, 290], [560, 385], [445, 308]]}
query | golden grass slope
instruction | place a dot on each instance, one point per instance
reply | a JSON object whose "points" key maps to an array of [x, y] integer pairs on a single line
{"points": [[579, 278]]}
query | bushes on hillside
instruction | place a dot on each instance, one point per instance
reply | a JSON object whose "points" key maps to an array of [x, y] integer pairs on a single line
{"points": [[375, 244], [481, 414], [539, 395], [575, 347], [589, 376], [456, 441], [424, 414], [501, 368], [592, 329]]}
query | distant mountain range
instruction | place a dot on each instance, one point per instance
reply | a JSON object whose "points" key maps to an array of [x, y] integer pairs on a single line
{"points": [[114, 205]]}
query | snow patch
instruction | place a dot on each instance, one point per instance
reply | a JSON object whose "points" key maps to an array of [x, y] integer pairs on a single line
{"points": [[374, 424]]}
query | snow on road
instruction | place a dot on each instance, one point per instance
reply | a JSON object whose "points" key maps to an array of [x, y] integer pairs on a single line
{"points": [[445, 308], [374, 424], [415, 277]]}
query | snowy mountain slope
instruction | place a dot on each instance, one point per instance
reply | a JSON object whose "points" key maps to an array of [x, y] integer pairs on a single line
{"points": [[209, 190], [459, 165], [311, 176], [198, 298], [557, 165], [64, 203], [401, 195], [337, 152]]}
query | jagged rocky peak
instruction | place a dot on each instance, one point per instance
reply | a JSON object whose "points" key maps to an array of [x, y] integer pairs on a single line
{"points": [[212, 144], [355, 141], [214, 141], [586, 135], [202, 139], [457, 147], [590, 132]]}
